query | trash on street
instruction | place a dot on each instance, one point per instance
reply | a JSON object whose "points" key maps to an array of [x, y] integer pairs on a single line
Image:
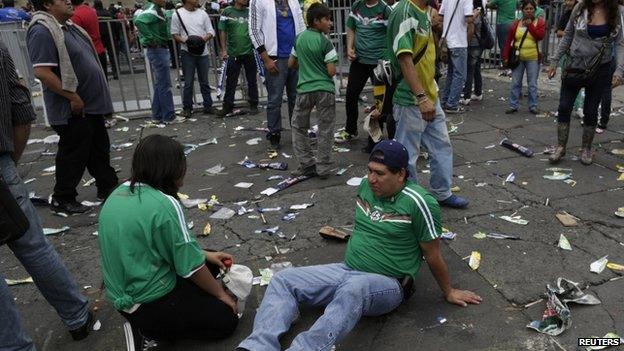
{"points": [[599, 265], [564, 243], [53, 231]]}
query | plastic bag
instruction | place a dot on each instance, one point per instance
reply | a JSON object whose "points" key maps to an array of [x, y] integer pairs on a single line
{"points": [[238, 280]]}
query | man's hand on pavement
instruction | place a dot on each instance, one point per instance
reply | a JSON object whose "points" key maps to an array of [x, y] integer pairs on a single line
{"points": [[463, 297]]}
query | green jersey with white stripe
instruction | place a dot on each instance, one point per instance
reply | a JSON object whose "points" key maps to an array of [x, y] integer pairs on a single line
{"points": [[387, 232], [369, 24], [314, 51], [145, 244]]}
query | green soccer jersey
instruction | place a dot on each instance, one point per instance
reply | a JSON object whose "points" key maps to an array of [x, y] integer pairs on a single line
{"points": [[369, 24], [154, 25], [234, 22], [387, 232], [409, 31], [145, 244], [505, 10], [314, 51]]}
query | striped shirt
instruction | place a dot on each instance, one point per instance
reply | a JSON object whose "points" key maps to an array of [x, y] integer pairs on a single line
{"points": [[15, 106], [388, 232]]}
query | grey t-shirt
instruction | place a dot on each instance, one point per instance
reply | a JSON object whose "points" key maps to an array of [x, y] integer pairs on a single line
{"points": [[92, 84]]}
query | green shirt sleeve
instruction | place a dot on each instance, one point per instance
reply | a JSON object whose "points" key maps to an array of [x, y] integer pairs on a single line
{"points": [[176, 244], [350, 19], [329, 51], [426, 219], [223, 20], [404, 37]]}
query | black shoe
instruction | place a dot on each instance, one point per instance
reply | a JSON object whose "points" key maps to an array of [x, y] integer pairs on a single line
{"points": [[135, 341], [511, 111], [274, 139], [533, 111], [83, 332], [69, 207], [223, 112], [209, 111]]}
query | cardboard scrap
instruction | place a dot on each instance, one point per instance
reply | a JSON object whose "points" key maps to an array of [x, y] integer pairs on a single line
{"points": [[566, 219]]}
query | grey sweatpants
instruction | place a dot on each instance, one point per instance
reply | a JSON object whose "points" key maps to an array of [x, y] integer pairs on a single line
{"points": [[326, 112]]}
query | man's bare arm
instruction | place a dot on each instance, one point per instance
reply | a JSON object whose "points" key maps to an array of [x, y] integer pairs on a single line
{"points": [[413, 81], [433, 256], [20, 138]]}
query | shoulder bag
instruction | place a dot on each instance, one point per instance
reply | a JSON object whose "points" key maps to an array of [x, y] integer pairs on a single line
{"points": [[514, 54], [194, 43], [443, 47]]}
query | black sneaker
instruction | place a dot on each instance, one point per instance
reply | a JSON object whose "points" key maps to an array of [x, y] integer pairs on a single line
{"points": [[83, 332], [69, 207], [223, 112], [274, 139], [511, 111], [135, 341]]}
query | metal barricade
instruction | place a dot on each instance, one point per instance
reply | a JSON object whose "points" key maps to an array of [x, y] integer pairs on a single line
{"points": [[13, 35]]}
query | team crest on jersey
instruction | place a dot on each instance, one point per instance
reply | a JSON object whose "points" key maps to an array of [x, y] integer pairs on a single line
{"points": [[380, 216]]}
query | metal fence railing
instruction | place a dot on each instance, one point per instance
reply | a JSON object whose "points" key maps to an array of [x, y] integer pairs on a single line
{"points": [[133, 88]]}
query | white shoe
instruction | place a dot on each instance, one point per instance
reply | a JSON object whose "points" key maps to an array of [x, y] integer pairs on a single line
{"points": [[177, 120], [464, 102], [474, 97]]}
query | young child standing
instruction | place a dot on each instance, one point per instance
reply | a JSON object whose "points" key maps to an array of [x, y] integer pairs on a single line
{"points": [[236, 48], [315, 56]]}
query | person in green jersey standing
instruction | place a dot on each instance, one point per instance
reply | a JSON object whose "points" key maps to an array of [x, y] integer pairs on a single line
{"points": [[236, 48], [155, 274], [315, 57], [505, 15], [397, 223], [366, 44]]}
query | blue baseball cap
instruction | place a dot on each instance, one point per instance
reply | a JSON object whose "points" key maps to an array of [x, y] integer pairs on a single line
{"points": [[393, 154]]}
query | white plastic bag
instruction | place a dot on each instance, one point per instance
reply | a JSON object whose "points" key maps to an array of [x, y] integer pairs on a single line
{"points": [[239, 281]]}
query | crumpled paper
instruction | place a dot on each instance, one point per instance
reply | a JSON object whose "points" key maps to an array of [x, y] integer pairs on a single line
{"points": [[557, 316]]}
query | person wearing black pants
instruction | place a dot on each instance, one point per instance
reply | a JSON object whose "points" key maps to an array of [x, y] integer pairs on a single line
{"points": [[386, 117], [359, 73], [234, 65], [605, 107], [83, 143]]}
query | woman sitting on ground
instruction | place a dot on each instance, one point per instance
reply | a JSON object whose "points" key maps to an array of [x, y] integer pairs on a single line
{"points": [[155, 274]]}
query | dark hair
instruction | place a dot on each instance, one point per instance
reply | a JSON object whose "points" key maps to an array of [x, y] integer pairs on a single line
{"points": [[98, 5], [169, 5], [317, 11], [380, 156], [159, 162], [612, 11], [39, 4], [8, 3], [528, 2], [77, 2]]}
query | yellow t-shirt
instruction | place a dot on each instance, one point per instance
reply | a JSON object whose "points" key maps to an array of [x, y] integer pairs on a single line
{"points": [[528, 51]]}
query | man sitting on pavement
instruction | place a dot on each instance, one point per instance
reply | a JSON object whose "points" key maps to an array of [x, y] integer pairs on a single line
{"points": [[395, 218]]}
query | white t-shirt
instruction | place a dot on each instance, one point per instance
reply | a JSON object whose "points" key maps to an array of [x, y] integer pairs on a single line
{"points": [[196, 22], [456, 32]]}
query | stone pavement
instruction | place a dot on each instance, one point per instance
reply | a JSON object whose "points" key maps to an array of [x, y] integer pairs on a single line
{"points": [[512, 273]]}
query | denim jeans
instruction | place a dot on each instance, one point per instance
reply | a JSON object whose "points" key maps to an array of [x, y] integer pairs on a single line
{"points": [[594, 90], [43, 264], [411, 131], [501, 34], [162, 101], [190, 64], [275, 84], [234, 65], [473, 72], [347, 294], [532, 71], [455, 77]]}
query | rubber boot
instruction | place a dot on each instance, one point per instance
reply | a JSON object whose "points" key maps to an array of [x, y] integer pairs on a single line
{"points": [[587, 155], [563, 131]]}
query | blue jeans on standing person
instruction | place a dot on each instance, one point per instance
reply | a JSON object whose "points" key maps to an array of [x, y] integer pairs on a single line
{"points": [[190, 64], [162, 101], [455, 77], [532, 70], [501, 35], [45, 267], [346, 294], [411, 131], [275, 84]]}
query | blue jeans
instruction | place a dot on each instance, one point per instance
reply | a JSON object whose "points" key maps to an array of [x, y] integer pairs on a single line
{"points": [[411, 131], [43, 264], [455, 77], [532, 69], [502, 30], [190, 64], [162, 101], [275, 84], [347, 294]]}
